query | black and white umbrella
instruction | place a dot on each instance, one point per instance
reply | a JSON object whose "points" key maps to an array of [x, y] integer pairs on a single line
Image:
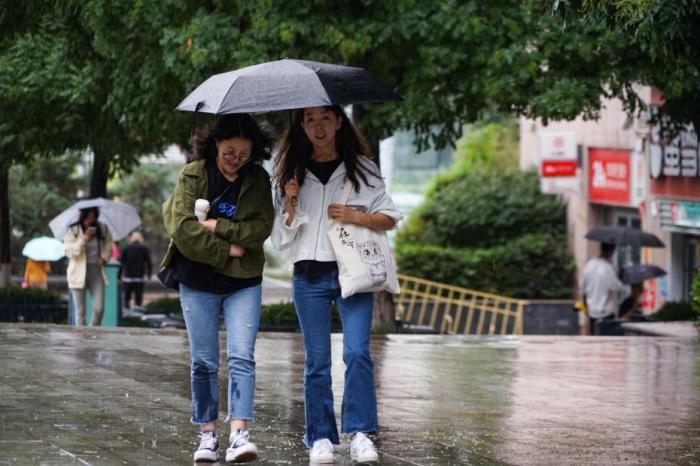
{"points": [[284, 85], [624, 236], [639, 272], [121, 218]]}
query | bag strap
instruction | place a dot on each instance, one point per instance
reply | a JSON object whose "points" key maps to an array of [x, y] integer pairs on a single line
{"points": [[346, 192]]}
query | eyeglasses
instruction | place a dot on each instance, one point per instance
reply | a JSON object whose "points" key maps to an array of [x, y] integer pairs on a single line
{"points": [[237, 158]]}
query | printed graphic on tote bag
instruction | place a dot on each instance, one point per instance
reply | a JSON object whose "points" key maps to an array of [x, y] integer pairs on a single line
{"points": [[371, 253]]}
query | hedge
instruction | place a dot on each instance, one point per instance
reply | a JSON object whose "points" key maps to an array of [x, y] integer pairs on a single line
{"points": [[534, 266]]}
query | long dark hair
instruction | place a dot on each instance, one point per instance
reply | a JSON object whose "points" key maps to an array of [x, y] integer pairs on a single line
{"points": [[296, 149], [240, 125], [83, 215]]}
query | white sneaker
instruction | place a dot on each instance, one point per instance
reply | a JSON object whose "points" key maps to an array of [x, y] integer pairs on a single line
{"points": [[321, 451], [362, 449], [208, 448], [241, 449]]}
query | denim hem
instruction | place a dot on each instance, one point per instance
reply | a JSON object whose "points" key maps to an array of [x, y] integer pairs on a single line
{"points": [[197, 423], [230, 418], [370, 431]]}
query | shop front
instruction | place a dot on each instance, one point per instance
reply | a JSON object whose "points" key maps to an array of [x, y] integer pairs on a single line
{"points": [[674, 185]]}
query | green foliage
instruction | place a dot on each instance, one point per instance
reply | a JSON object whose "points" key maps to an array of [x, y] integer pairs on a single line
{"points": [[491, 147], [535, 265], [147, 187], [164, 305], [675, 310], [695, 295], [38, 192], [15, 295], [480, 209], [279, 315]]}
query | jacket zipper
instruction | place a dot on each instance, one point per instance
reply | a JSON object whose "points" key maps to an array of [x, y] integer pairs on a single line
{"points": [[320, 221]]}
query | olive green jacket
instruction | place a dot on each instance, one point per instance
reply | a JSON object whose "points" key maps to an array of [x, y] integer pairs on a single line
{"points": [[250, 226]]}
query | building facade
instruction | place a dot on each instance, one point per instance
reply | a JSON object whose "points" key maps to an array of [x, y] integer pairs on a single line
{"points": [[620, 171]]}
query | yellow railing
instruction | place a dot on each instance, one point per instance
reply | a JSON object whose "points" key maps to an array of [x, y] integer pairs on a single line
{"points": [[451, 309]]}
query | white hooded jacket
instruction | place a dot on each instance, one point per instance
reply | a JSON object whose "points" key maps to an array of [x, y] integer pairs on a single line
{"points": [[306, 237]]}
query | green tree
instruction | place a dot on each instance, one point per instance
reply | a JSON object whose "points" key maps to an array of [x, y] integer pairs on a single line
{"points": [[146, 188], [661, 48], [493, 232]]}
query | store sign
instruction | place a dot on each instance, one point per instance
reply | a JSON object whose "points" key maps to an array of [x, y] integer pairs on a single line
{"points": [[679, 157], [557, 154], [609, 176], [680, 214]]}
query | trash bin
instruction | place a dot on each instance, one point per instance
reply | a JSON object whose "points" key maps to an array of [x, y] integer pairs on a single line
{"points": [[112, 316]]}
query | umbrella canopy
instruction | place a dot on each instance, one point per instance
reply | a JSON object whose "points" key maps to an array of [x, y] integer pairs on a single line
{"points": [[120, 218], [44, 248], [283, 85], [638, 273], [624, 236]]}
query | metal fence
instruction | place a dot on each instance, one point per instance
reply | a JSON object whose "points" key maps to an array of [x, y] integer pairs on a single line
{"points": [[430, 305]]}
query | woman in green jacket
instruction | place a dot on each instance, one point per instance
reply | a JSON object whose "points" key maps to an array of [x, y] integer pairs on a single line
{"points": [[218, 261]]}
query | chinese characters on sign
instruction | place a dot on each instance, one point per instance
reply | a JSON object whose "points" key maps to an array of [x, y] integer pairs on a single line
{"points": [[609, 176], [679, 157]]}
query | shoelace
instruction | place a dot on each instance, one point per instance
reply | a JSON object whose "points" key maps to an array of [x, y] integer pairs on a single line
{"points": [[241, 437], [323, 446], [207, 441], [363, 443]]}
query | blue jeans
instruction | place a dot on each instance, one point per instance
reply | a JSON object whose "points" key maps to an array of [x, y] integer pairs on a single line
{"points": [[313, 301], [241, 311]]}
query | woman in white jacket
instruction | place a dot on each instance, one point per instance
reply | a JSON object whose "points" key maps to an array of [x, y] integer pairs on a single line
{"points": [[88, 245], [322, 150]]}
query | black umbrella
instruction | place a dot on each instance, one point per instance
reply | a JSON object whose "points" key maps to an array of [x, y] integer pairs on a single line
{"points": [[624, 236], [283, 85], [638, 273]]}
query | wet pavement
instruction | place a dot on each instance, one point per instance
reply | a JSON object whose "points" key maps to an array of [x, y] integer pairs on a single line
{"points": [[121, 396]]}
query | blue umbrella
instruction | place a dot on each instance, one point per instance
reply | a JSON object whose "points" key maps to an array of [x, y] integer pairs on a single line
{"points": [[44, 248]]}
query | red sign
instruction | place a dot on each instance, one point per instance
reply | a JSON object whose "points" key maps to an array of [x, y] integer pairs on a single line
{"points": [[558, 168], [649, 295], [609, 176]]}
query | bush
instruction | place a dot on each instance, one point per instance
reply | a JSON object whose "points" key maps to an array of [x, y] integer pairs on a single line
{"points": [[483, 209], [533, 266], [31, 305], [675, 310], [164, 306], [15, 295], [695, 296], [282, 314]]}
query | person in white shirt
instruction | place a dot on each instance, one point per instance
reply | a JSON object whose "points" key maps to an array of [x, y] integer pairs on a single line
{"points": [[322, 150], [601, 287]]}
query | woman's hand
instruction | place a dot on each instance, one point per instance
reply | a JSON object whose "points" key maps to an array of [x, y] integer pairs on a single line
{"points": [[236, 250], [345, 214], [209, 225], [291, 189]]}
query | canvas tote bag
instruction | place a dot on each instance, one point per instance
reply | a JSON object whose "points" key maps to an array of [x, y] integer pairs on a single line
{"points": [[365, 263]]}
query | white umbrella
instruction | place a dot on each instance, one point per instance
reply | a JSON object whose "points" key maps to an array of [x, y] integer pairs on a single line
{"points": [[44, 248], [120, 218]]}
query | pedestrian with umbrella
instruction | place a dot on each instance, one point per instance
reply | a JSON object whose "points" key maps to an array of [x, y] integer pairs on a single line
{"points": [[635, 276], [88, 245], [39, 252], [216, 263], [321, 152], [322, 149], [602, 287]]}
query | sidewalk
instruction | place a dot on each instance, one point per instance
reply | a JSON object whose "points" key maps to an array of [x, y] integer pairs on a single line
{"points": [[121, 396]]}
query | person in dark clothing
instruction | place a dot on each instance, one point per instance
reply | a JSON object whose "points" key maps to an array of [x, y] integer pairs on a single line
{"points": [[136, 264]]}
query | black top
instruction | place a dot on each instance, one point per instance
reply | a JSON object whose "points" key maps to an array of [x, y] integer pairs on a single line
{"points": [[202, 276], [324, 170], [136, 261]]}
